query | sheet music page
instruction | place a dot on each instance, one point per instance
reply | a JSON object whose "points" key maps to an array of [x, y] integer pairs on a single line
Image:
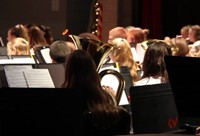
{"points": [[45, 55], [28, 60], [14, 75], [39, 78], [10, 60], [124, 99], [106, 80]]}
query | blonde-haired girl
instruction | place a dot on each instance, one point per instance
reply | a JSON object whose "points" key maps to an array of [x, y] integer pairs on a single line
{"points": [[124, 57]]}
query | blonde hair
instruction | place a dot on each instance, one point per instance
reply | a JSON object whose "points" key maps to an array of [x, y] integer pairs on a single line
{"points": [[124, 57], [18, 46]]}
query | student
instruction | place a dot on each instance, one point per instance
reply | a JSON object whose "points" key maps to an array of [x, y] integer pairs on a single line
{"points": [[194, 38], [38, 45], [124, 57], [102, 114], [153, 68]]}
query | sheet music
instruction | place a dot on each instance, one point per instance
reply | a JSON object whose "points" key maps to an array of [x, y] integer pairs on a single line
{"points": [[25, 76], [18, 60], [14, 75], [114, 84], [40, 78], [45, 55], [23, 60]]}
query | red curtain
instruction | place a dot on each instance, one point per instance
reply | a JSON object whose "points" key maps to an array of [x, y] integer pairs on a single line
{"points": [[151, 17]]}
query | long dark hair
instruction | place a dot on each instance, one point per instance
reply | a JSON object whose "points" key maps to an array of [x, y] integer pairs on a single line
{"points": [[80, 73], [154, 64], [102, 114]]}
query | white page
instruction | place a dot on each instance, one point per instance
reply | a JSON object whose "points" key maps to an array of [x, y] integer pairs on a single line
{"points": [[14, 75], [46, 55], [112, 81], [22, 60], [39, 78]]}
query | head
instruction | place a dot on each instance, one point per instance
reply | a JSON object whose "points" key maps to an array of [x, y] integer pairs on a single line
{"points": [[194, 33], [47, 33], [18, 46], [123, 56], [117, 32], [17, 31], [121, 51], [36, 37], [59, 50], [135, 35], [81, 71], [185, 31], [154, 64]]}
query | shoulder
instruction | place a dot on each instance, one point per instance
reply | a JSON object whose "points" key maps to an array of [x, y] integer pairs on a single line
{"points": [[142, 81], [148, 81]]}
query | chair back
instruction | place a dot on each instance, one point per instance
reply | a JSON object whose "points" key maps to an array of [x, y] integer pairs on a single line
{"points": [[153, 109]]}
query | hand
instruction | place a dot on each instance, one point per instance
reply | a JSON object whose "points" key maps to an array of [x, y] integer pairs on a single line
{"points": [[109, 90]]}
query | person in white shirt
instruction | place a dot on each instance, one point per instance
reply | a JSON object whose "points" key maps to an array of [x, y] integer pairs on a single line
{"points": [[194, 37], [154, 69]]}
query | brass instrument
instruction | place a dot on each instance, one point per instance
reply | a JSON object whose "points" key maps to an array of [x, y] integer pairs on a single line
{"points": [[97, 49], [147, 43], [100, 52], [120, 78]]}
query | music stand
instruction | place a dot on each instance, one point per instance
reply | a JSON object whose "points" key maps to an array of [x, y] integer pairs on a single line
{"points": [[184, 80], [153, 109]]}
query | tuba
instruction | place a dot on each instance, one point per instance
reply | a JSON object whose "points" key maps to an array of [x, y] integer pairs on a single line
{"points": [[97, 49]]}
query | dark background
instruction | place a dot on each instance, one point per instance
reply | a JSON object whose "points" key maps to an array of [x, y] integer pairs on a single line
{"points": [[161, 17], [171, 15]]}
